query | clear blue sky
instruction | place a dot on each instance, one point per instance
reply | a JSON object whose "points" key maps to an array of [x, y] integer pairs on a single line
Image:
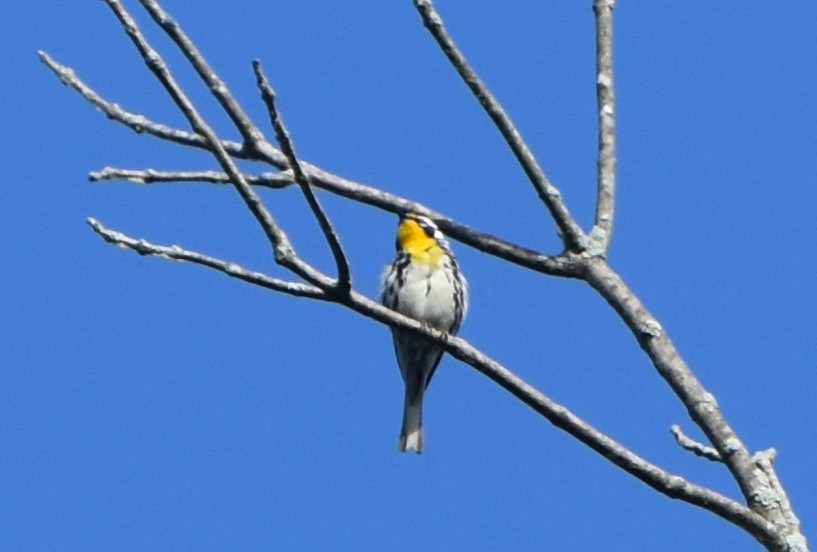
{"points": [[150, 405]]}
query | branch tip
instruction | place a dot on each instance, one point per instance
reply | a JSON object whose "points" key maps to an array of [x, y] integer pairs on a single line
{"points": [[699, 449], [606, 101]]}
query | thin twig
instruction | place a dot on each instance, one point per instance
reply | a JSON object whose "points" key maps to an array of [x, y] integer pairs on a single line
{"points": [[177, 253], [135, 121], [284, 140], [606, 99], [570, 230], [262, 151], [699, 449]]}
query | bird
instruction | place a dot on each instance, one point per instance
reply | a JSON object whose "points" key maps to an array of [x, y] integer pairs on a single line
{"points": [[423, 282]]}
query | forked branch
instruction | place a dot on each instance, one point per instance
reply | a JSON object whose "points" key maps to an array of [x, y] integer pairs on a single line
{"points": [[559, 265], [570, 230], [770, 520], [282, 134], [282, 247]]}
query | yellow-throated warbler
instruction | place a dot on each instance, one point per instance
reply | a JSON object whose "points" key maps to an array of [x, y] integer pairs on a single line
{"points": [[424, 283]]}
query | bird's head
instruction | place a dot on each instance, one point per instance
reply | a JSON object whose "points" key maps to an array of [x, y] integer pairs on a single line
{"points": [[420, 237]]}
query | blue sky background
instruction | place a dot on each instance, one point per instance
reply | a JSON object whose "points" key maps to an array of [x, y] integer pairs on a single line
{"points": [[150, 405]]}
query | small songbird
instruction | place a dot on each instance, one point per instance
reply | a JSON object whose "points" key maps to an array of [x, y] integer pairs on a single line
{"points": [[423, 282]]}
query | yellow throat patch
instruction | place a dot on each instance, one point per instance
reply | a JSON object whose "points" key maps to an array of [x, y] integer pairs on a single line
{"points": [[415, 240]]}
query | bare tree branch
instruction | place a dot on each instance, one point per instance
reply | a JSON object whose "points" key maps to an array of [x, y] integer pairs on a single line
{"points": [[570, 230], [702, 407], [281, 133], [650, 334], [673, 486], [138, 123], [282, 247], [786, 521], [606, 97], [774, 497], [252, 135], [177, 253], [769, 516], [562, 265], [275, 180]]}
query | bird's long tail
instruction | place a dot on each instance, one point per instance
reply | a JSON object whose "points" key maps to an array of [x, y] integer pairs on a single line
{"points": [[411, 434]]}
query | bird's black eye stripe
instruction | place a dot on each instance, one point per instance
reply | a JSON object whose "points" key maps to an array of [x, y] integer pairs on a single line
{"points": [[427, 226]]}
